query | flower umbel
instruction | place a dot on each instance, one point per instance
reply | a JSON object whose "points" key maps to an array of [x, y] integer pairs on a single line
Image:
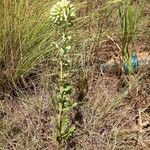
{"points": [[63, 12]]}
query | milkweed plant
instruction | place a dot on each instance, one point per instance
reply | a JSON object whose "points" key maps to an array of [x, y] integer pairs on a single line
{"points": [[62, 15]]}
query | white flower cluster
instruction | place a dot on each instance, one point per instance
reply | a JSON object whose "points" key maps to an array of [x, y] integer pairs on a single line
{"points": [[63, 12]]}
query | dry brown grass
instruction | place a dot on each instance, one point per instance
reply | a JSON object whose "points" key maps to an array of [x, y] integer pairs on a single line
{"points": [[111, 117]]}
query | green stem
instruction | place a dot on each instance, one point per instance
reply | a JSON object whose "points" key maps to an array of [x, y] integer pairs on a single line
{"points": [[61, 71], [60, 106]]}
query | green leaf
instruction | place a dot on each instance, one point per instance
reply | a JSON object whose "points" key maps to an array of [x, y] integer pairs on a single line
{"points": [[64, 124], [69, 107], [69, 132], [66, 89]]}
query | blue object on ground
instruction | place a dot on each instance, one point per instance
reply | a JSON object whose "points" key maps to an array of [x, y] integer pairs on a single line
{"points": [[134, 63]]}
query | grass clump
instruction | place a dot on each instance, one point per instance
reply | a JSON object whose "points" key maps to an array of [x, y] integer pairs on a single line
{"points": [[25, 37], [129, 17]]}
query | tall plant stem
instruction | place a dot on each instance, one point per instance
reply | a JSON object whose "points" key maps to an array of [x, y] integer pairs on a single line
{"points": [[60, 104]]}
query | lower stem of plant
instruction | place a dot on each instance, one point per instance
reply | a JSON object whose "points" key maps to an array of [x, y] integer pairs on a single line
{"points": [[60, 108]]}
